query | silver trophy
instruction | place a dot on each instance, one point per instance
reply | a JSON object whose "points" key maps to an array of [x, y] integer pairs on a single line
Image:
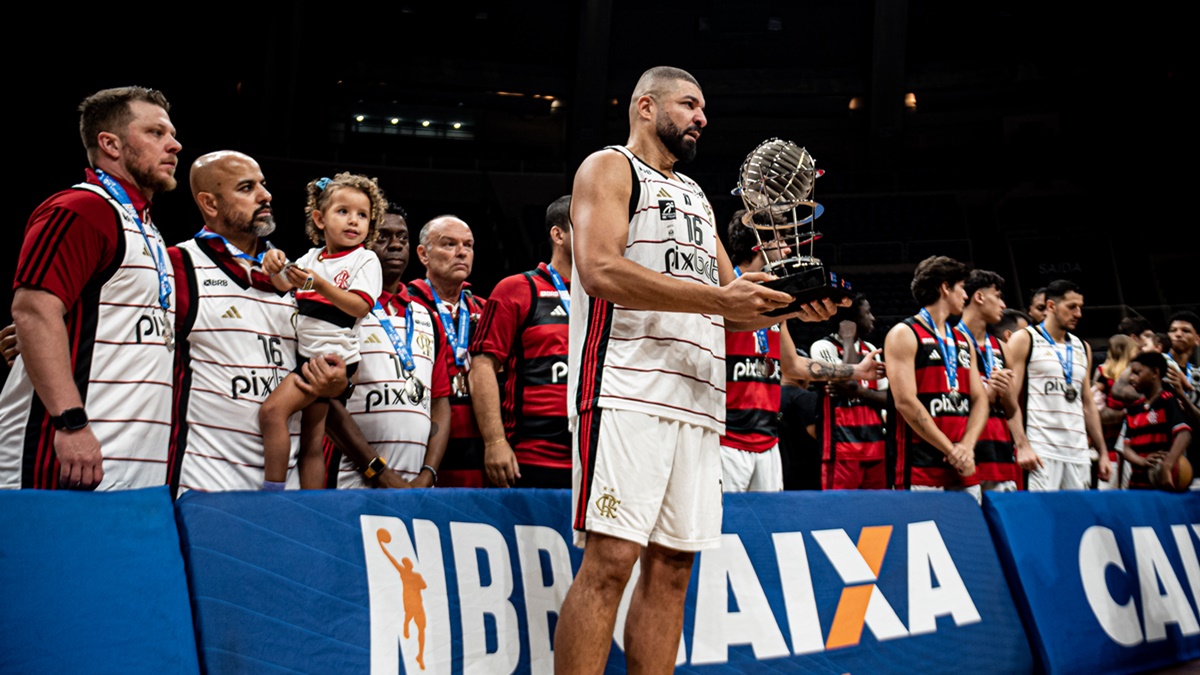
{"points": [[776, 186]]}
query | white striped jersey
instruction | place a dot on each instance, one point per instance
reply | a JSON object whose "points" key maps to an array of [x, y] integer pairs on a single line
{"points": [[122, 369], [238, 345], [668, 364], [323, 328], [1054, 425], [392, 415]]}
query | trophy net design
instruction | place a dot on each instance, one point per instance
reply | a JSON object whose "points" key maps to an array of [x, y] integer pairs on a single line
{"points": [[776, 186]]}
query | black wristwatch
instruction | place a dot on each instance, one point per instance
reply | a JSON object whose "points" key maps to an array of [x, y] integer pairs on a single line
{"points": [[71, 419]]}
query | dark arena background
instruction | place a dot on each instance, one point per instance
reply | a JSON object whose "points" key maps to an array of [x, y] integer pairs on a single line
{"points": [[1035, 139]]}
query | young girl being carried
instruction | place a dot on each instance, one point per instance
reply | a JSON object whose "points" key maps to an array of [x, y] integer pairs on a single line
{"points": [[336, 285]]}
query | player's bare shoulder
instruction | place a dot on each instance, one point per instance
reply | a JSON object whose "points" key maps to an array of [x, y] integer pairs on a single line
{"points": [[607, 162], [602, 188], [1017, 348], [901, 337]]}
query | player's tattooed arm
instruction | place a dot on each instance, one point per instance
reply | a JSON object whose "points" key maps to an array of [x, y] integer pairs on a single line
{"points": [[823, 370]]}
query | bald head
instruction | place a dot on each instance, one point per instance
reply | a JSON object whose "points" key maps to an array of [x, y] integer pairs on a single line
{"points": [[435, 226], [447, 250], [209, 171], [657, 83], [232, 196]]}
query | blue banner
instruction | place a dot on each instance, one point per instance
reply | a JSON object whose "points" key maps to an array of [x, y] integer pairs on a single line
{"points": [[93, 583], [1105, 581], [451, 580]]}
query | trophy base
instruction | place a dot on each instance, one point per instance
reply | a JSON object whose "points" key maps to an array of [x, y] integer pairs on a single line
{"points": [[806, 284]]}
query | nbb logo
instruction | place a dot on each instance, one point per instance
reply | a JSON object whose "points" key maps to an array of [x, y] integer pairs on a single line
{"points": [[411, 622], [1163, 600]]}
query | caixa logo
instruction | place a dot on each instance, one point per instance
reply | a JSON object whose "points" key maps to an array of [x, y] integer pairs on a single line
{"points": [[411, 621], [1157, 583], [935, 589]]}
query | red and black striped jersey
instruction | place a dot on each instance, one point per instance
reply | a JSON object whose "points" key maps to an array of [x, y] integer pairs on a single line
{"points": [[751, 391], [850, 429], [995, 454], [917, 461], [1151, 427], [464, 450], [525, 327]]}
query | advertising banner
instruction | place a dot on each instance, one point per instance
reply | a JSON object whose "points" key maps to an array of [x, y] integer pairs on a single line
{"points": [[451, 581], [1105, 581]]}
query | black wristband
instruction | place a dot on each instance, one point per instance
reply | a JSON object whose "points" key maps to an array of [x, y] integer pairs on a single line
{"points": [[71, 419]]}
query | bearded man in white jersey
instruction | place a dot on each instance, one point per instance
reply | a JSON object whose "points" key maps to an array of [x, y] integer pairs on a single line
{"points": [[1050, 372], [93, 302], [235, 332], [653, 293]]}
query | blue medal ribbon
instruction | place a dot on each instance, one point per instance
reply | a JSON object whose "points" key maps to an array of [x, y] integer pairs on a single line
{"points": [[403, 348], [760, 335], [1068, 361], [989, 356], [232, 250], [561, 286], [948, 349], [457, 338], [160, 260]]}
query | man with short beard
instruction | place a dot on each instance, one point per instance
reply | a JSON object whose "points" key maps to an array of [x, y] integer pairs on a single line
{"points": [[93, 306], [652, 291], [1050, 374], [235, 333]]}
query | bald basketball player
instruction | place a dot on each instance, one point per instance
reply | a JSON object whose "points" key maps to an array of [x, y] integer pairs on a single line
{"points": [[235, 333]]}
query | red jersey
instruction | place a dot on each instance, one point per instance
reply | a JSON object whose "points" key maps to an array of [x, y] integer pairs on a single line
{"points": [[525, 327], [71, 241], [464, 451], [995, 454], [1151, 427], [918, 462], [850, 429], [751, 391]]}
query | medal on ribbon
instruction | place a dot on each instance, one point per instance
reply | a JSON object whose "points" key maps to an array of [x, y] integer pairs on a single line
{"points": [[1070, 393], [948, 348], [160, 260]]}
